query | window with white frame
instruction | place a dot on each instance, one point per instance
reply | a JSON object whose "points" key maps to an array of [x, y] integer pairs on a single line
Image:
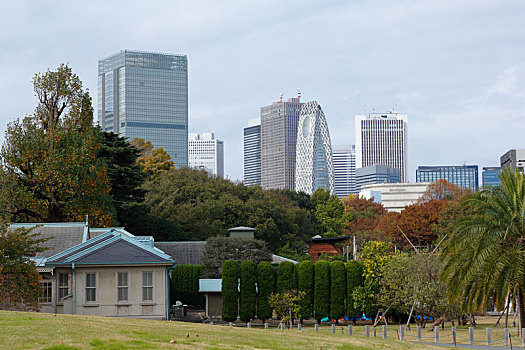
{"points": [[47, 291], [63, 285], [122, 286], [91, 286], [147, 286]]}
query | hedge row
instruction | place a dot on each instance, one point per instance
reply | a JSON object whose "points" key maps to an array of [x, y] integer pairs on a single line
{"points": [[328, 288], [185, 285]]}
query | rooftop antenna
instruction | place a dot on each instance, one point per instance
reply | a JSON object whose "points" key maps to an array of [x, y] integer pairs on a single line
{"points": [[281, 97], [365, 108], [298, 93]]}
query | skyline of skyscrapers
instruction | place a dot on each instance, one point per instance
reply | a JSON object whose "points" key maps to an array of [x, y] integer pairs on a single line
{"points": [[344, 170], [206, 152], [145, 95], [381, 139], [278, 143], [314, 166], [252, 153], [464, 176]]}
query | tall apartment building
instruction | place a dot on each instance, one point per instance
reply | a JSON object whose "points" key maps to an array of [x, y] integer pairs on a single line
{"points": [[313, 167], [464, 176], [252, 153], [344, 170], [206, 152], [381, 139], [514, 158], [376, 174], [145, 95], [278, 142], [490, 177]]}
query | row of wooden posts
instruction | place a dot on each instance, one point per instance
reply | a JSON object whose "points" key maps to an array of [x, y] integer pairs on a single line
{"points": [[402, 335]]}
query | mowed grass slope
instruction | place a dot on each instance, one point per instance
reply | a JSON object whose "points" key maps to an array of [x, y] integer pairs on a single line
{"points": [[22, 330]]}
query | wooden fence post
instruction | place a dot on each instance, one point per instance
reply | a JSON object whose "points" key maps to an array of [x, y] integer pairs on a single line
{"points": [[471, 335], [367, 330], [265, 325], [384, 331], [506, 336], [418, 333], [454, 336], [349, 329], [489, 336], [401, 333], [436, 334], [316, 328]]}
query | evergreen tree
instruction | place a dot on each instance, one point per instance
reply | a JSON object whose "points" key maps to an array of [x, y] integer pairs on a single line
{"points": [[230, 285], [321, 290], [286, 277], [266, 287], [248, 293], [337, 289], [305, 284], [354, 280]]}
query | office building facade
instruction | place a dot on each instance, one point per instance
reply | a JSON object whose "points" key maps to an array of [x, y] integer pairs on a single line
{"points": [[490, 177], [394, 196], [513, 159], [313, 167], [252, 153], [205, 152], [278, 143], [463, 176], [145, 95], [376, 174], [344, 170], [381, 139]]}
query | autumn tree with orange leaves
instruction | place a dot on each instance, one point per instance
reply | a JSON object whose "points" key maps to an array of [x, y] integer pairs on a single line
{"points": [[362, 217], [442, 189], [49, 166]]}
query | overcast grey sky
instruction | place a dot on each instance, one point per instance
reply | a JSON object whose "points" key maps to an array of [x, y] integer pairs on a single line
{"points": [[456, 68]]}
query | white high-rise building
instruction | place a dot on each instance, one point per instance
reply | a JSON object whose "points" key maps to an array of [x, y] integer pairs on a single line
{"points": [[381, 139], [206, 152], [313, 166], [344, 170]]}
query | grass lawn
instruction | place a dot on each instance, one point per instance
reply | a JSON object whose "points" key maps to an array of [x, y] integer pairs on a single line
{"points": [[22, 330]]}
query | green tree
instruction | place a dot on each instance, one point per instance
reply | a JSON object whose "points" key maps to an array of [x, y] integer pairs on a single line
{"points": [[485, 252], [337, 289], [354, 280], [286, 277], [50, 172], [265, 287], [329, 212], [287, 305], [125, 177], [230, 285], [19, 280], [248, 293], [321, 290], [374, 256], [220, 249], [305, 284]]}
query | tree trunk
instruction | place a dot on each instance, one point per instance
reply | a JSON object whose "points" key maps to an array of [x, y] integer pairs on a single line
{"points": [[521, 309]]}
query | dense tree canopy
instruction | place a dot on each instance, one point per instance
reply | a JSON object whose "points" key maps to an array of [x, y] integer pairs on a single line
{"points": [[362, 217], [50, 171]]}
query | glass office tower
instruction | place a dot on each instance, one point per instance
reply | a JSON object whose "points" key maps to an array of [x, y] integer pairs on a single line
{"points": [[465, 176], [252, 153], [490, 177], [145, 95]]}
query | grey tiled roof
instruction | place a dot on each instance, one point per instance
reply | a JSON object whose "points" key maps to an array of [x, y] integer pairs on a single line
{"points": [[111, 248], [62, 237], [183, 252]]}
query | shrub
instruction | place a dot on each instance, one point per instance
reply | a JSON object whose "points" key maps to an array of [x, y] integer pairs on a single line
{"points": [[265, 287], [337, 289], [248, 292], [305, 284], [230, 280], [321, 289], [185, 285]]}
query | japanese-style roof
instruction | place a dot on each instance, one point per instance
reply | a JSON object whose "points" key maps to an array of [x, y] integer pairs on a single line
{"points": [[111, 248], [61, 236], [329, 239], [184, 253], [94, 232]]}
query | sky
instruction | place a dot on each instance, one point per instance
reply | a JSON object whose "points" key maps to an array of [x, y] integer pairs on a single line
{"points": [[456, 68]]}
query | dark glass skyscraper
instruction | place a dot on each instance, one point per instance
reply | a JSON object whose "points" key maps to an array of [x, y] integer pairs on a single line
{"points": [[490, 176], [465, 176], [145, 95], [252, 154]]}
